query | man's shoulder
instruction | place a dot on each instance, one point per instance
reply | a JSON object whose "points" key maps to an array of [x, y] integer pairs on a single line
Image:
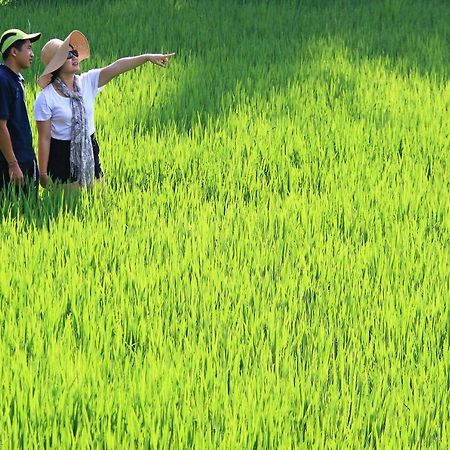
{"points": [[4, 71], [3, 74], [5, 78]]}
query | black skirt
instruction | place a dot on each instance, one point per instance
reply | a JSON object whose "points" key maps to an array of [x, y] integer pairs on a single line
{"points": [[58, 167]]}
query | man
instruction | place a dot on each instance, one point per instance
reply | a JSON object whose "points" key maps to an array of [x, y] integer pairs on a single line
{"points": [[17, 158]]}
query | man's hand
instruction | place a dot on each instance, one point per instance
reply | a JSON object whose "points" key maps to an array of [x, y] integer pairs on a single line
{"points": [[15, 174]]}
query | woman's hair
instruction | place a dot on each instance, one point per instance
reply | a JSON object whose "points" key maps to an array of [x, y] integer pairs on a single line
{"points": [[54, 75]]}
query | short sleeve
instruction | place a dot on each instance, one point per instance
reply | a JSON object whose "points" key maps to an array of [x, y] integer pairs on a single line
{"points": [[5, 100], [42, 111], [90, 81]]}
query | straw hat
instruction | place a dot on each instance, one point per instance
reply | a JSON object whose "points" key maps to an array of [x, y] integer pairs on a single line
{"points": [[54, 54]]}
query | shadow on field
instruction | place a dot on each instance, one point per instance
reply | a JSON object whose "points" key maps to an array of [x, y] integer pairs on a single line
{"points": [[224, 48], [412, 34], [255, 47], [37, 211]]}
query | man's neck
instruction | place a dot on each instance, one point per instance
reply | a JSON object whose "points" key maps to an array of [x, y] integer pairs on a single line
{"points": [[10, 63]]}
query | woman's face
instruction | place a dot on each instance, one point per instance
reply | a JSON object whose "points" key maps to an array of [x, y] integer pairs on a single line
{"points": [[72, 64]]}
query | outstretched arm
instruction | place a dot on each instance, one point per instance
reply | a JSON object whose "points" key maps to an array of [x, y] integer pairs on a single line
{"points": [[124, 64]]}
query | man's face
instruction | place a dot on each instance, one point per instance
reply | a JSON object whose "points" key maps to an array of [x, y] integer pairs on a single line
{"points": [[24, 56]]}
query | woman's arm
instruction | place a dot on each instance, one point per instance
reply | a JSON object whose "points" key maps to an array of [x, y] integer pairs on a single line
{"points": [[44, 136], [124, 64]]}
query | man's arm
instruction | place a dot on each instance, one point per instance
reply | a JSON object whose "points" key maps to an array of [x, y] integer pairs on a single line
{"points": [[15, 174]]}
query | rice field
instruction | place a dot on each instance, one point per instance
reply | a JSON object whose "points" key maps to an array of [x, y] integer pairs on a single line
{"points": [[268, 262]]}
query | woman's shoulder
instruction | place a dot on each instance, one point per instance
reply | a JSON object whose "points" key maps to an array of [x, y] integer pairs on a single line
{"points": [[89, 78], [45, 93], [44, 104], [89, 74]]}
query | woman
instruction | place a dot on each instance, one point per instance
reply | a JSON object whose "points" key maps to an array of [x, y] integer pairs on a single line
{"points": [[64, 110]]}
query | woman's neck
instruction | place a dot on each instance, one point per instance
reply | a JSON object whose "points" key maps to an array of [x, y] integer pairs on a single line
{"points": [[67, 79]]}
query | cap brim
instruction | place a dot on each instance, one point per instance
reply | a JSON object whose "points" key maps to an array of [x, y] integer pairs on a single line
{"points": [[17, 35], [78, 41], [33, 37]]}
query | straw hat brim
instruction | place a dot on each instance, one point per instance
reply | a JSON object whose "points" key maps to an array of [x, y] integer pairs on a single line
{"points": [[78, 41]]}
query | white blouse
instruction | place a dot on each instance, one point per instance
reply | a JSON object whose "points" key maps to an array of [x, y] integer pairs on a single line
{"points": [[52, 106]]}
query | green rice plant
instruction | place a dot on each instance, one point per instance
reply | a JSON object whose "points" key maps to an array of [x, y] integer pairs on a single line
{"points": [[267, 263]]}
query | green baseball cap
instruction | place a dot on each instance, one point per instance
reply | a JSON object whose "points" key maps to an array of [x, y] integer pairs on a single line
{"points": [[10, 36]]}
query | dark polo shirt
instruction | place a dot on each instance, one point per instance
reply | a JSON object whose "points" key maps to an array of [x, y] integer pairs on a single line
{"points": [[14, 111]]}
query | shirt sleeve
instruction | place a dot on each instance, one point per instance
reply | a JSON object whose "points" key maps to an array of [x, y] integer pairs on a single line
{"points": [[91, 79], [5, 100], [42, 111]]}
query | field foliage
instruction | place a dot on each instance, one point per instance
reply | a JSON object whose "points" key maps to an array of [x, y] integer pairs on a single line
{"points": [[267, 264]]}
